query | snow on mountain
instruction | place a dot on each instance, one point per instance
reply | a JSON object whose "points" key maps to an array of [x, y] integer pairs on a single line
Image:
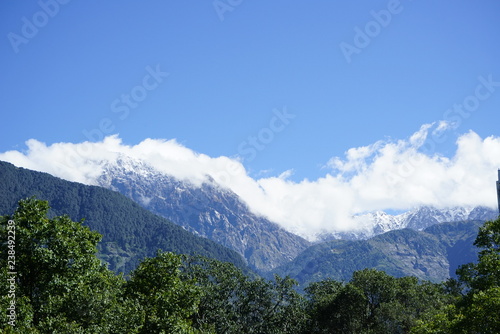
{"points": [[378, 222], [207, 210], [218, 213]]}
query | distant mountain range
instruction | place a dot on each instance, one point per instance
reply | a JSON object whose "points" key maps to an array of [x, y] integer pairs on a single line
{"points": [[379, 222], [219, 214], [432, 254], [426, 242]]}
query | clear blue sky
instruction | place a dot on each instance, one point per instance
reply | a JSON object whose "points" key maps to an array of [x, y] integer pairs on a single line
{"points": [[229, 69]]}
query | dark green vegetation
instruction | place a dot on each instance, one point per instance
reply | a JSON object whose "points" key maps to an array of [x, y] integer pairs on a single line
{"points": [[60, 286], [433, 254], [129, 231], [476, 308]]}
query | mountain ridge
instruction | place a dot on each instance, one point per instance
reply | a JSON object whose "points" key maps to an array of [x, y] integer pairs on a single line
{"points": [[215, 212], [432, 254], [208, 210], [379, 222], [129, 231]]}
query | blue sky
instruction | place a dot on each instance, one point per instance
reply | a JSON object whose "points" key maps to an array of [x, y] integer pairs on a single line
{"points": [[231, 68]]}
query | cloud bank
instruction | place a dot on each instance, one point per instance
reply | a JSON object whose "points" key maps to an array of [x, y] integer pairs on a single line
{"points": [[388, 174]]}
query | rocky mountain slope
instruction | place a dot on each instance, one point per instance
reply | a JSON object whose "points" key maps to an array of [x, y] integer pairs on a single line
{"points": [[209, 211]]}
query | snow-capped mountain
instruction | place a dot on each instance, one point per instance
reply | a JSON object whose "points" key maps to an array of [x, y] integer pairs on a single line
{"points": [[378, 222], [217, 213], [207, 210]]}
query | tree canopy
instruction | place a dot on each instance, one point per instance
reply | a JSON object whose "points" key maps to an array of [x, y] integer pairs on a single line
{"points": [[477, 292], [53, 282]]}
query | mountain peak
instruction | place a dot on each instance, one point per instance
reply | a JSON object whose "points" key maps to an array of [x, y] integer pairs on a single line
{"points": [[378, 222], [208, 210]]}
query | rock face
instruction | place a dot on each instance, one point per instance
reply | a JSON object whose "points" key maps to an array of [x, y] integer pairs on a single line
{"points": [[207, 210]]}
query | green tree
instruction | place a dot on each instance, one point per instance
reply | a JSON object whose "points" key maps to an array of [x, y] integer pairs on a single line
{"points": [[478, 309], [372, 302], [168, 301], [60, 285], [323, 307], [485, 273], [233, 302]]}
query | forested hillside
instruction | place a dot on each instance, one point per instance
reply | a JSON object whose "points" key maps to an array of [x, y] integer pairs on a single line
{"points": [[129, 231], [433, 254]]}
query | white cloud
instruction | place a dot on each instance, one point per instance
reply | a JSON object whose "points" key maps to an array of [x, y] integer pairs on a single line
{"points": [[419, 137], [286, 174], [443, 126], [385, 175]]}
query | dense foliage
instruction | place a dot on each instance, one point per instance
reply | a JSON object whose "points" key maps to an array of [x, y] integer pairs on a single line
{"points": [[477, 302], [52, 282]]}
